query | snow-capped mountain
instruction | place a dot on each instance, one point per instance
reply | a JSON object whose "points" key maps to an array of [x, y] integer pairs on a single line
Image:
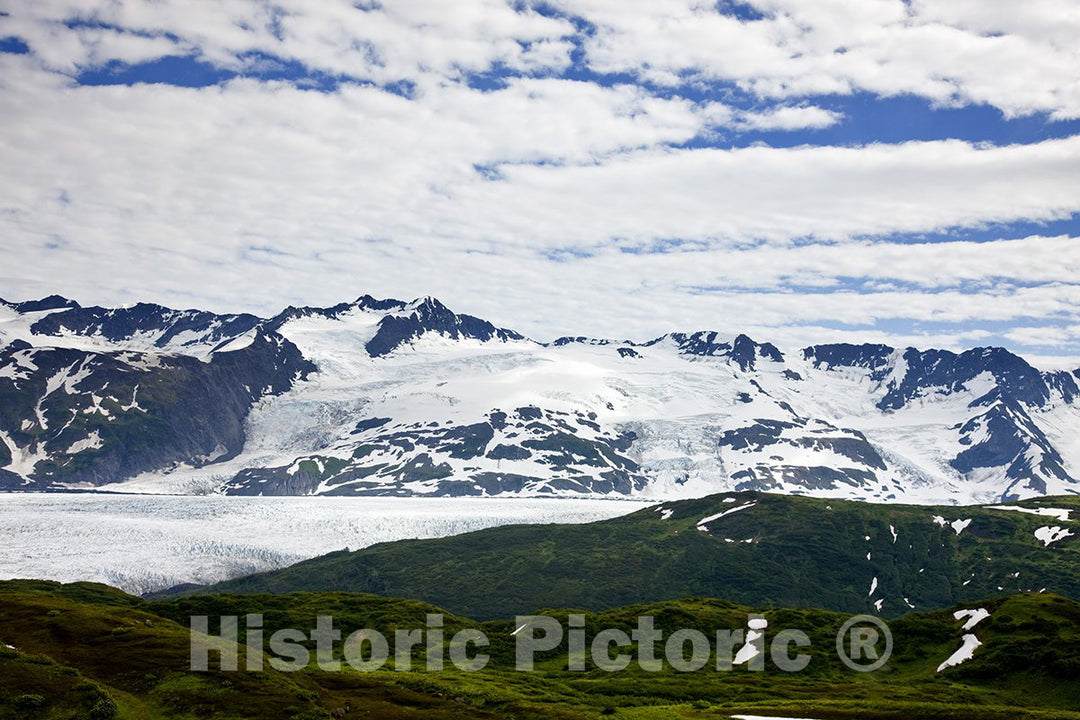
{"points": [[383, 397]]}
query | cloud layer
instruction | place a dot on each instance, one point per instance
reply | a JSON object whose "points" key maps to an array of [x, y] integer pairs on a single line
{"points": [[560, 168]]}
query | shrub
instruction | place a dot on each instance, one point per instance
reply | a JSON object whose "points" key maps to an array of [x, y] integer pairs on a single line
{"points": [[39, 660], [104, 709], [307, 695], [27, 702], [312, 715]]}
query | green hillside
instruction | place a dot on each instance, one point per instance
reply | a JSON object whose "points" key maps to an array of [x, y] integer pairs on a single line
{"points": [[86, 652], [768, 550]]}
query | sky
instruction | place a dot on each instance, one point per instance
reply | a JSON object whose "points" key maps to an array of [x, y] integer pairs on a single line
{"points": [[804, 171]]}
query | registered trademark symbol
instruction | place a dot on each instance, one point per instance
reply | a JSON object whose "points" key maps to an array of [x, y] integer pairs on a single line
{"points": [[863, 635]]}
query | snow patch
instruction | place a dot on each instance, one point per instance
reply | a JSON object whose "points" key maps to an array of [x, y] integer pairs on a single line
{"points": [[968, 645], [134, 404], [749, 651], [23, 460], [1062, 515], [1050, 535], [974, 617], [238, 343], [960, 525], [706, 520], [90, 442]]}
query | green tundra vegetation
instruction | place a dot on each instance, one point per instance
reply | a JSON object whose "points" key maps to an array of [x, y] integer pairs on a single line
{"points": [[90, 652], [765, 550]]}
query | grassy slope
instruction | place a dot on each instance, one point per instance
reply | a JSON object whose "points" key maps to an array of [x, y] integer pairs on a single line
{"points": [[83, 647], [802, 552], [87, 652]]}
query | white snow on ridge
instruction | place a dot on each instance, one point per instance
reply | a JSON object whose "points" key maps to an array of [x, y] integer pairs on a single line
{"points": [[706, 520], [1058, 513], [873, 588], [677, 405], [199, 344], [237, 343], [781, 420]]}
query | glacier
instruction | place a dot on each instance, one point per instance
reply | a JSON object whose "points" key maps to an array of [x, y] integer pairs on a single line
{"points": [[145, 543], [402, 399]]}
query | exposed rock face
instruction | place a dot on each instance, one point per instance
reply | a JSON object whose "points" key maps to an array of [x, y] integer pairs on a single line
{"points": [[385, 397], [74, 416]]}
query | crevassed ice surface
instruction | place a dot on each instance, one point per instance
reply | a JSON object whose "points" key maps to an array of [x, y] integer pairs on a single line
{"points": [[143, 543]]}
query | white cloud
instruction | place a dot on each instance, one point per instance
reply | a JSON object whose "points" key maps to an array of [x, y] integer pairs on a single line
{"points": [[790, 117], [1044, 336], [883, 265], [1017, 57], [520, 203], [951, 53], [775, 194], [383, 43]]}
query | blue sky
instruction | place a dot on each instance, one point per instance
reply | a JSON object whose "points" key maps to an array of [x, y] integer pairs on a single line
{"points": [[804, 171]]}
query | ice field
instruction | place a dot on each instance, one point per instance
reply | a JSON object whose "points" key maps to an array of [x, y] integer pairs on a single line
{"points": [[142, 543]]}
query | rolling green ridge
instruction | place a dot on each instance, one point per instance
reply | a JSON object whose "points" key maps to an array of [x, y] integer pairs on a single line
{"points": [[87, 652], [769, 550]]}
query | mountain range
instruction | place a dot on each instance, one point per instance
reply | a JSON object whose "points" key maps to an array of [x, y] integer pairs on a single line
{"points": [[384, 397]]}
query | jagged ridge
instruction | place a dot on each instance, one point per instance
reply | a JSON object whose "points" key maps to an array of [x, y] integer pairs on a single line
{"points": [[393, 397]]}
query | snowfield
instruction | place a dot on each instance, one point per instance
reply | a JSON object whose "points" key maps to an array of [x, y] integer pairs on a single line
{"points": [[410, 398], [142, 543]]}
